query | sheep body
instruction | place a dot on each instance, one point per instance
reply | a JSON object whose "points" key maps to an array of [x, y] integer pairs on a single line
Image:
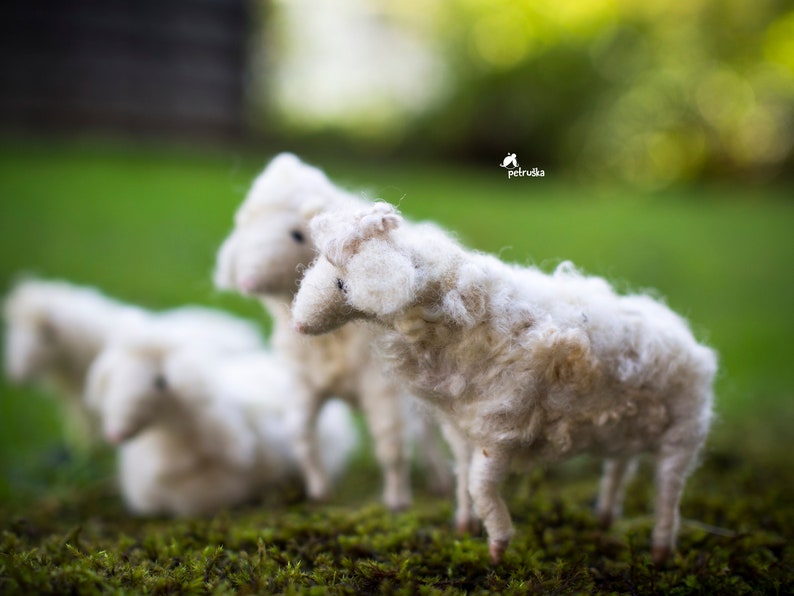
{"points": [[525, 365], [55, 329], [201, 430], [265, 257]]}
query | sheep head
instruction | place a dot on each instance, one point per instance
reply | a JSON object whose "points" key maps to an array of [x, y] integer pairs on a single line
{"points": [[266, 256], [34, 346], [128, 390], [285, 182], [31, 348], [270, 245], [364, 271]]}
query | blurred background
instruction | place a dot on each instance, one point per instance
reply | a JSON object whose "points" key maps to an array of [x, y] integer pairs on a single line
{"points": [[131, 129], [646, 93]]}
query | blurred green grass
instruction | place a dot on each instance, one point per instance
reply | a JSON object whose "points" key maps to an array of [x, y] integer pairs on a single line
{"points": [[144, 225]]}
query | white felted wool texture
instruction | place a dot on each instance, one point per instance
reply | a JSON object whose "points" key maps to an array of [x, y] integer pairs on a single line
{"points": [[55, 329], [526, 365], [391, 281], [265, 256], [53, 332], [199, 430]]}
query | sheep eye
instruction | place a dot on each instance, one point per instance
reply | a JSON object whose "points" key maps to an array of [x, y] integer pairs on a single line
{"points": [[297, 236], [341, 285], [47, 333], [160, 383]]}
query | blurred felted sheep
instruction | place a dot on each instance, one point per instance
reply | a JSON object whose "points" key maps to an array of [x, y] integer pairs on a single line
{"points": [[55, 329], [527, 366], [200, 430], [265, 256]]}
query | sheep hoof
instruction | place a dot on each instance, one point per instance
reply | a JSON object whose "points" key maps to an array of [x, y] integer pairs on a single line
{"points": [[660, 554], [496, 548]]}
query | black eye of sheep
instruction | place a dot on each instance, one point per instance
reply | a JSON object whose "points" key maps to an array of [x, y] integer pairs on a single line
{"points": [[47, 333], [341, 285], [297, 236], [160, 383]]}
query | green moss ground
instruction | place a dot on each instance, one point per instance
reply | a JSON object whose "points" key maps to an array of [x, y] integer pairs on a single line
{"points": [[85, 543], [144, 226]]}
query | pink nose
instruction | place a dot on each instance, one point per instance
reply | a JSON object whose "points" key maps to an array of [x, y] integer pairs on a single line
{"points": [[300, 327], [248, 285], [114, 437]]}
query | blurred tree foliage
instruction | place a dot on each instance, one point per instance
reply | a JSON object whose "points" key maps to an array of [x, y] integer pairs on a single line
{"points": [[650, 92]]}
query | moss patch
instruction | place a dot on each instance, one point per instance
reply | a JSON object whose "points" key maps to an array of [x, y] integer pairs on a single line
{"points": [[84, 542]]}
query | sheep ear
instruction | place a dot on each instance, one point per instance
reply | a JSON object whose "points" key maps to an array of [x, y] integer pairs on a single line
{"points": [[381, 282], [338, 235], [336, 238], [325, 231], [378, 221]]}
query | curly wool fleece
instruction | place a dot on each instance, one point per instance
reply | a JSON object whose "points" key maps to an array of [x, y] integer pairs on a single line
{"points": [[527, 366]]}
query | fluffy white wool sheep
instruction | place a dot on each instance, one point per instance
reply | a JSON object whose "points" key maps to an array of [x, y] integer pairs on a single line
{"points": [[527, 366], [54, 330], [265, 256], [202, 430]]}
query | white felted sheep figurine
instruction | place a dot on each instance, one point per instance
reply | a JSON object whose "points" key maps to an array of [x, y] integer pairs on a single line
{"points": [[265, 256], [202, 430], [54, 330], [528, 366]]}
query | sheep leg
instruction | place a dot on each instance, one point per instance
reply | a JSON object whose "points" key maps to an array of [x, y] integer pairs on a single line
{"points": [[616, 475], [672, 465], [489, 467], [465, 520], [432, 455], [80, 426], [318, 484], [384, 417]]}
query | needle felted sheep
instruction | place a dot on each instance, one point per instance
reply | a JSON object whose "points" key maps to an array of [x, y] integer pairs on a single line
{"points": [[265, 256], [528, 366], [54, 330], [202, 430]]}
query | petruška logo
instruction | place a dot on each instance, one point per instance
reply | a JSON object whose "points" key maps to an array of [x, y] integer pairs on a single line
{"points": [[510, 163]]}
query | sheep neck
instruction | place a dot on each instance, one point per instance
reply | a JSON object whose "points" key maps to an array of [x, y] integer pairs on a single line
{"points": [[80, 341]]}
